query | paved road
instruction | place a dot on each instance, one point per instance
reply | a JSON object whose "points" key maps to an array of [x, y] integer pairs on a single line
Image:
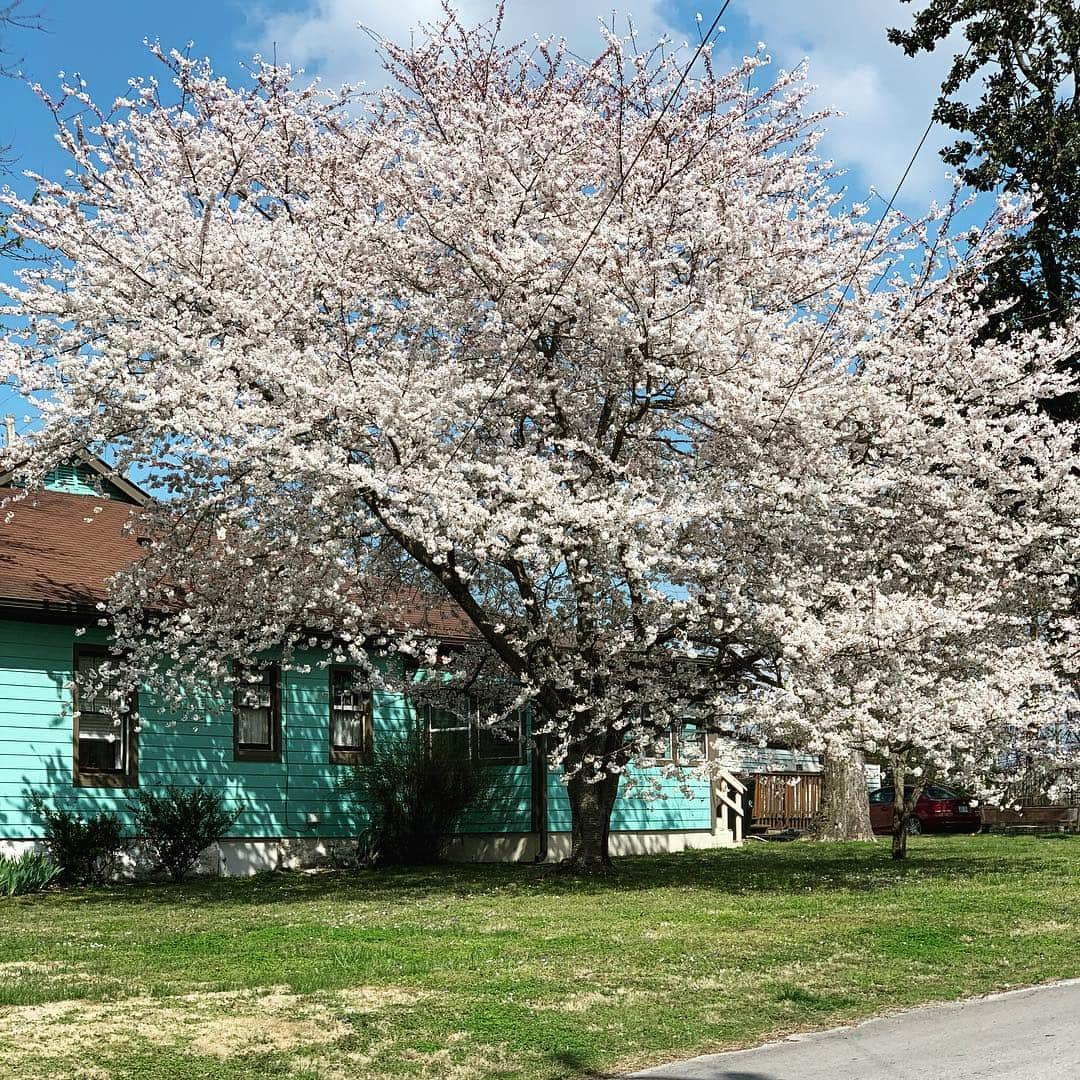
{"points": [[1021, 1035]]}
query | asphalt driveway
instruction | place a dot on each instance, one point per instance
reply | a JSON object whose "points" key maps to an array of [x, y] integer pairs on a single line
{"points": [[1022, 1035]]}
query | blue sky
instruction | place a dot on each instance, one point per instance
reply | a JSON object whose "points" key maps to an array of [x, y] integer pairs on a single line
{"points": [[885, 97]]}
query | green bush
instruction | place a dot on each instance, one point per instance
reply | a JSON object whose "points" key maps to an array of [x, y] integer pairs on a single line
{"points": [[179, 825], [86, 849], [414, 796], [30, 872]]}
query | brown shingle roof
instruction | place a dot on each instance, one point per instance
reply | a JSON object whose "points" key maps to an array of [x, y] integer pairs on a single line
{"points": [[51, 556]]}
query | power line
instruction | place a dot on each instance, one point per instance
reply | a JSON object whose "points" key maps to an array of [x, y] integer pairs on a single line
{"points": [[854, 273], [588, 239]]}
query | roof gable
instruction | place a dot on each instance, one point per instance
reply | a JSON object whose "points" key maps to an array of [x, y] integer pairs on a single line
{"points": [[88, 474]]}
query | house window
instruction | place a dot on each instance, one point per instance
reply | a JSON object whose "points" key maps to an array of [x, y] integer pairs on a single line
{"points": [[683, 743], [257, 713], [690, 745], [350, 716], [503, 744], [106, 742], [449, 727], [456, 728], [654, 743]]}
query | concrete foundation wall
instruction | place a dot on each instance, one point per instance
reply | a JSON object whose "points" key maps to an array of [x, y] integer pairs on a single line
{"points": [[242, 858]]}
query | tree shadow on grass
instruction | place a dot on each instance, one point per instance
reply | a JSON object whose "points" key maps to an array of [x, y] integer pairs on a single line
{"points": [[577, 1068], [727, 1075], [793, 868], [573, 1065]]}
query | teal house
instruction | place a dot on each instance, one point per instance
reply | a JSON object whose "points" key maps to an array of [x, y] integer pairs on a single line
{"points": [[282, 751]]}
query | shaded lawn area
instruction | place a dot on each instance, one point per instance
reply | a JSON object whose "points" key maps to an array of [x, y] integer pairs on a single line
{"points": [[508, 971]]}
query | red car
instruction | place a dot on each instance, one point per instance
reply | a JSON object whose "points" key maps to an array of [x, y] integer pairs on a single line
{"points": [[939, 809]]}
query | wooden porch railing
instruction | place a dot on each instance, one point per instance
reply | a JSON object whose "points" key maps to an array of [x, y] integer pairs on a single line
{"points": [[729, 794], [785, 800]]}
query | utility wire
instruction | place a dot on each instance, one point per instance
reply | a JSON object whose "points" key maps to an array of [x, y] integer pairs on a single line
{"points": [[532, 329], [854, 274]]}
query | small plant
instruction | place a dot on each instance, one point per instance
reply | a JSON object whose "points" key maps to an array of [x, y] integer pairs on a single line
{"points": [[179, 825], [414, 796], [87, 849], [30, 872]]}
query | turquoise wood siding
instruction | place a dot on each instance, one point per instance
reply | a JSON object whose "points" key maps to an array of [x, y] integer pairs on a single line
{"points": [[671, 810], [300, 796], [35, 738], [509, 810]]}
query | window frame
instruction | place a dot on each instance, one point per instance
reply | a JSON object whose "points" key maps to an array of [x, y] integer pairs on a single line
{"points": [[518, 757], [83, 776], [350, 755], [252, 752], [464, 726], [677, 729]]}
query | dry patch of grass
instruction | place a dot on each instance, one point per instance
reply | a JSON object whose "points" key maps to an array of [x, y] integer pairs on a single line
{"points": [[222, 1024]]}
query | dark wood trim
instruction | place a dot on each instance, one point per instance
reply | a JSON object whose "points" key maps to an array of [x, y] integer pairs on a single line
{"points": [[117, 479], [273, 752], [100, 778], [351, 755], [49, 611], [539, 793]]}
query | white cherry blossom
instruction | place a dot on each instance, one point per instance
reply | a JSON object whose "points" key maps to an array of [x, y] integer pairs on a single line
{"points": [[441, 341]]}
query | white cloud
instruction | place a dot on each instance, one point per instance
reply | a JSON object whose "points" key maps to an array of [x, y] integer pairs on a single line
{"points": [[323, 36], [886, 97]]}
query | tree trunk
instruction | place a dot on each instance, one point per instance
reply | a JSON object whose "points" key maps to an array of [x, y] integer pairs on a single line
{"points": [[899, 828], [903, 808], [845, 805], [590, 817]]}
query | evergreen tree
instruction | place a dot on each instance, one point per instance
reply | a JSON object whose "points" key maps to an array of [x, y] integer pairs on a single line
{"points": [[1022, 136]]}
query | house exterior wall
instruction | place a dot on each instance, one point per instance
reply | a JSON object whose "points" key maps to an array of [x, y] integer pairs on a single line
{"points": [[643, 808], [293, 810]]}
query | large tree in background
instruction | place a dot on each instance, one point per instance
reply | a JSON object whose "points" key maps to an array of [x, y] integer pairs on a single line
{"points": [[559, 344], [1022, 136]]}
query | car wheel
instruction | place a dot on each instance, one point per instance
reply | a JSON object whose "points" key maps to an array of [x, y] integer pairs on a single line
{"points": [[914, 826]]}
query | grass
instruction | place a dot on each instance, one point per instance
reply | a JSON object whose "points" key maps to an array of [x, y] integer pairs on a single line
{"points": [[510, 972]]}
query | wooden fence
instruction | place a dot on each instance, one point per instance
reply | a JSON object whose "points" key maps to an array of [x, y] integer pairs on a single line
{"points": [[784, 800]]}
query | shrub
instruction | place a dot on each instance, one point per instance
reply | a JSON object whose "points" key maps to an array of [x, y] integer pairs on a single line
{"points": [[179, 825], [30, 872], [414, 796], [86, 849]]}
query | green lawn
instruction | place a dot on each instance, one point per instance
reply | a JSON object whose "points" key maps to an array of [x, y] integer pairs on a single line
{"points": [[505, 971]]}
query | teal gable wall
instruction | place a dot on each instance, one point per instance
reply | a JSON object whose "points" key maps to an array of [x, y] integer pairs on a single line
{"points": [[78, 478], [300, 796]]}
